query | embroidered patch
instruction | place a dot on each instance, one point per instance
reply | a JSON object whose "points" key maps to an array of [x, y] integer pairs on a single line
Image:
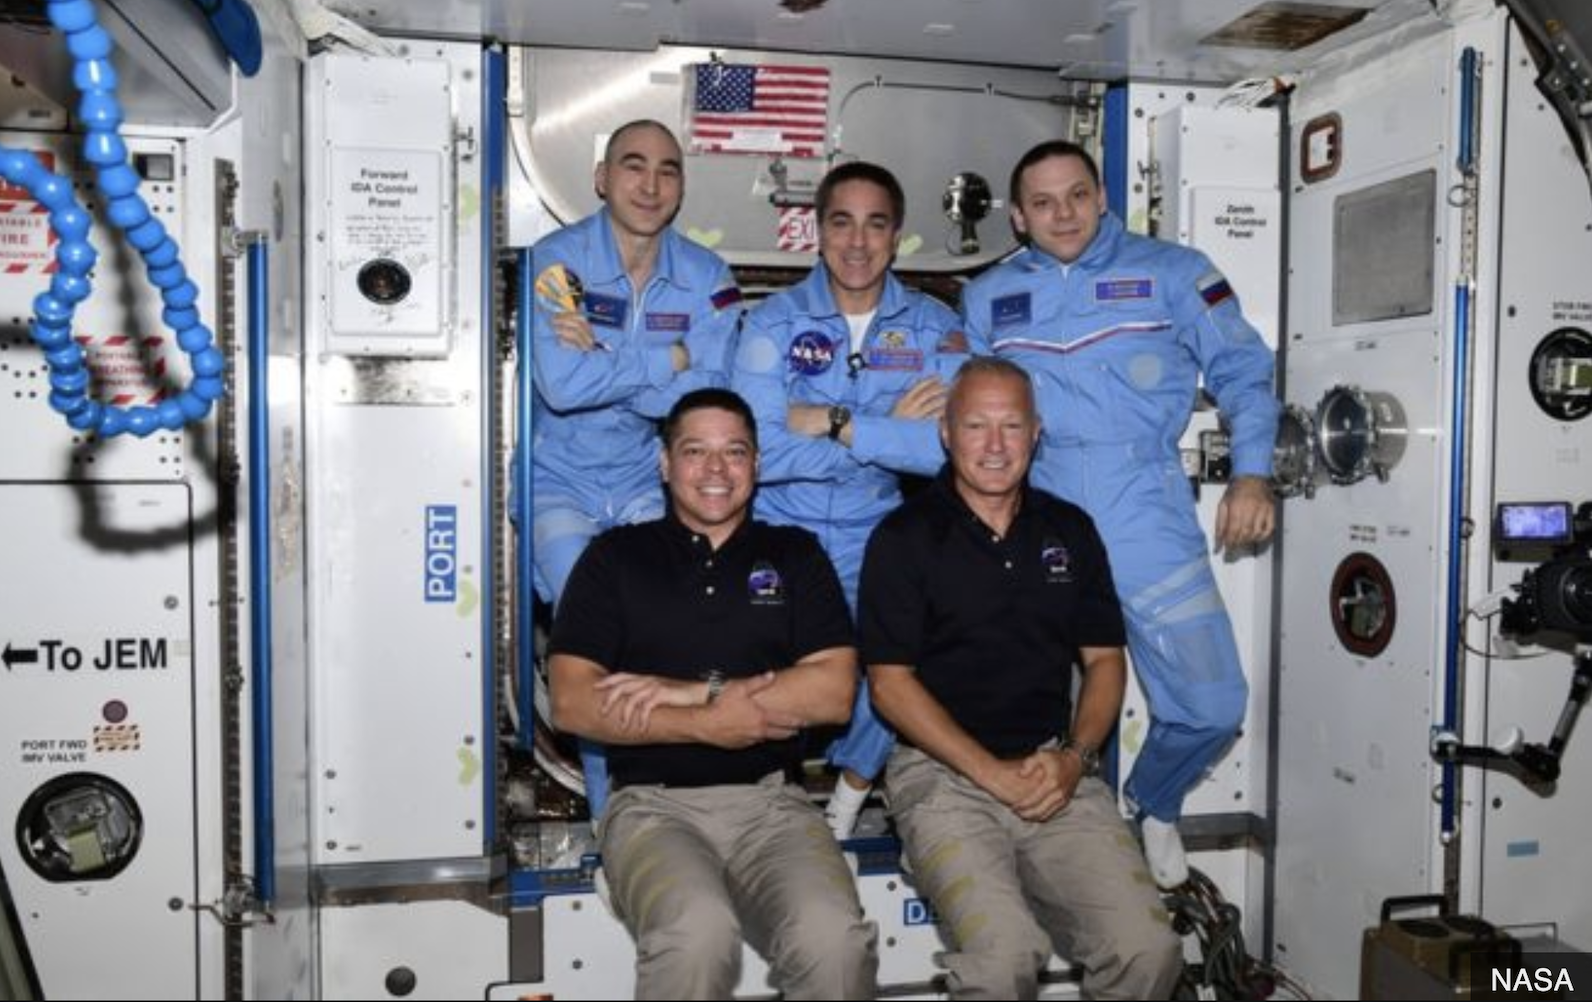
{"points": [[1055, 560], [952, 343], [895, 359], [677, 323], [1013, 309], [606, 311], [1213, 288], [558, 290], [764, 585], [811, 353], [1115, 289], [726, 297]]}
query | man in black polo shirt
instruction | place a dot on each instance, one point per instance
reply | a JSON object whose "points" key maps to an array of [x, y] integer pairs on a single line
{"points": [[698, 647], [977, 597]]}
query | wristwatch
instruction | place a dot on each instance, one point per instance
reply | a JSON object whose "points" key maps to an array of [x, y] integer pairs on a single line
{"points": [[716, 682], [839, 417], [1089, 757]]}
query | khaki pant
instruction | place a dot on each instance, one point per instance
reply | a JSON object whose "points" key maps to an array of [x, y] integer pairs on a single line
{"points": [[692, 871], [1008, 891]]}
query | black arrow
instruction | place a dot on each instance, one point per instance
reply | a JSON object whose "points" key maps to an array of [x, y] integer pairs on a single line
{"points": [[19, 656]]}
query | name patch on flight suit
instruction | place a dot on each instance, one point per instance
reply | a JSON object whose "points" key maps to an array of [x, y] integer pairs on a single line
{"points": [[605, 311], [1114, 289], [891, 352], [1013, 309], [811, 353], [677, 323]]}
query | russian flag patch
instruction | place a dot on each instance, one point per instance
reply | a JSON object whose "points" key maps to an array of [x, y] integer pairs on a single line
{"points": [[1213, 288]]}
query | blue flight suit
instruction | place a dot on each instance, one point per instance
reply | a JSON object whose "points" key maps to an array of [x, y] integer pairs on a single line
{"points": [[1116, 343], [594, 452], [795, 348]]}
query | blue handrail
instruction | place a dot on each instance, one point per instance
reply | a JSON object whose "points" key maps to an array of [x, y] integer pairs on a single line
{"points": [[260, 569]]}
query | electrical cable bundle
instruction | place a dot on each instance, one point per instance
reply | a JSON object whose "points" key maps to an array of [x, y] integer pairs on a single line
{"points": [[1226, 970]]}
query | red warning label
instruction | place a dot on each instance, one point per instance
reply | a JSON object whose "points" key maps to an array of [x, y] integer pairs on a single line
{"points": [[27, 244], [15, 193], [126, 370]]}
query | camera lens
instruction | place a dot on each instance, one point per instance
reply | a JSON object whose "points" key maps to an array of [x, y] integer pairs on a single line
{"points": [[1564, 593], [383, 281], [1577, 594]]}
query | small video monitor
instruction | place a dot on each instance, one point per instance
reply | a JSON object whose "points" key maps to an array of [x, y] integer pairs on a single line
{"points": [[1543, 522]]}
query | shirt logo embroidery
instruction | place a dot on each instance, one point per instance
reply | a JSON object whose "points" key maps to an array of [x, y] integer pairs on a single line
{"points": [[764, 585], [1056, 561]]}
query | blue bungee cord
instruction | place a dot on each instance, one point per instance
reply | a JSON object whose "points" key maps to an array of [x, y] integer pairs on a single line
{"points": [[95, 78]]}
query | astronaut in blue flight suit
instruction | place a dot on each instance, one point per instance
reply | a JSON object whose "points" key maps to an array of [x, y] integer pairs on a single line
{"points": [[629, 316], [847, 374], [1116, 329]]}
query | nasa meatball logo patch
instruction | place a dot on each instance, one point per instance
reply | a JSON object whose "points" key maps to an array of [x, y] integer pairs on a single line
{"points": [[811, 353]]}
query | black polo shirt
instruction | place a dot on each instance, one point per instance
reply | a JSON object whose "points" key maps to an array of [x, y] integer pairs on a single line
{"points": [[656, 599], [992, 625]]}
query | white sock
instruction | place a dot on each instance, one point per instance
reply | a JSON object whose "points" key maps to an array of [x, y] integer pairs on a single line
{"points": [[843, 807], [1163, 850]]}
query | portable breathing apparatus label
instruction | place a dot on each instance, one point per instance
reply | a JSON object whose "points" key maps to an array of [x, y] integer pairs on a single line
{"points": [[442, 552], [127, 369]]}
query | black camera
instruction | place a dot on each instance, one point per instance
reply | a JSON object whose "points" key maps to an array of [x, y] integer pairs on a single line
{"points": [[1557, 593]]}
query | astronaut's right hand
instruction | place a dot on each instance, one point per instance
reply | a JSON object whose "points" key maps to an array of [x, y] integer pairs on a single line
{"points": [[736, 720], [1031, 792], [574, 331], [923, 400]]}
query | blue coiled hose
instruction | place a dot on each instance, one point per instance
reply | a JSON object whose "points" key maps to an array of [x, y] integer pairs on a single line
{"points": [[95, 78]]}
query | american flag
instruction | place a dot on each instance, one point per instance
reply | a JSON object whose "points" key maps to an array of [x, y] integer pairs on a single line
{"points": [[758, 109]]}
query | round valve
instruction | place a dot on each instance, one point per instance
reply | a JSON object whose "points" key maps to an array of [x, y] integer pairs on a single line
{"points": [[1561, 374], [1364, 608], [1293, 458], [80, 826], [1359, 433]]}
